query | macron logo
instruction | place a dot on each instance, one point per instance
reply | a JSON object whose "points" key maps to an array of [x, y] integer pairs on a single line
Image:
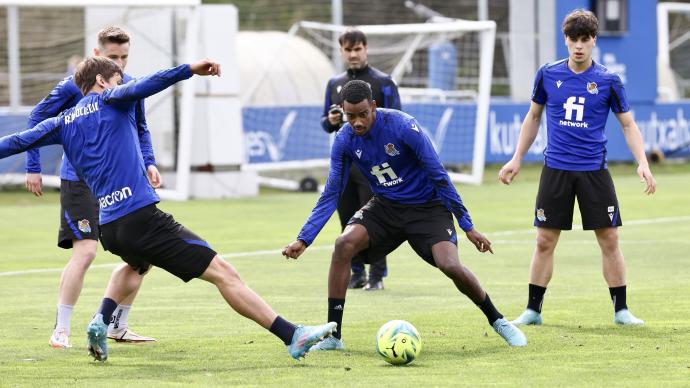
{"points": [[115, 197]]}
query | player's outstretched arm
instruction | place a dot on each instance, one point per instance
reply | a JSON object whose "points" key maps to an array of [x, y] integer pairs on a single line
{"points": [[479, 241], [45, 133], [205, 67], [294, 249], [528, 132], [633, 137]]}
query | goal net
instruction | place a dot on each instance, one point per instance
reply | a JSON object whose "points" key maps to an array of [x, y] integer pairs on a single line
{"points": [[41, 41], [443, 70]]}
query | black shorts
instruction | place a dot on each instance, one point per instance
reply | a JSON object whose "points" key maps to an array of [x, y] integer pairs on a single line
{"points": [[596, 197], [78, 213], [150, 236], [389, 224]]}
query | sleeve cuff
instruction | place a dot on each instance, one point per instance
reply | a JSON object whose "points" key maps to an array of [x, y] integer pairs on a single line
{"points": [[465, 225]]}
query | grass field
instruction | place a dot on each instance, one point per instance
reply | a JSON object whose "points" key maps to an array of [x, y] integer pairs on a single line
{"points": [[202, 342]]}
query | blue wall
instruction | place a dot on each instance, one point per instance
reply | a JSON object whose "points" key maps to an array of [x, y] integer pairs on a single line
{"points": [[633, 53]]}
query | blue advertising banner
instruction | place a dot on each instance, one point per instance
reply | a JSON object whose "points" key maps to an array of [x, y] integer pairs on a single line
{"points": [[275, 134]]}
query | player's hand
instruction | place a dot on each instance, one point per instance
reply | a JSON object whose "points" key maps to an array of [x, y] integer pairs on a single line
{"points": [[509, 171], [646, 176], [205, 67], [154, 176], [479, 240], [335, 115], [294, 249], [34, 183]]}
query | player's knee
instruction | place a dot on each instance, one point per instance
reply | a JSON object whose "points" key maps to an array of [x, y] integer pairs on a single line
{"points": [[345, 247], [448, 266], [83, 258], [225, 273], [545, 243]]}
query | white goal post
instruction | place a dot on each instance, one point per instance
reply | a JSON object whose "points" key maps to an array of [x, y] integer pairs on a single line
{"points": [[405, 52], [165, 33]]}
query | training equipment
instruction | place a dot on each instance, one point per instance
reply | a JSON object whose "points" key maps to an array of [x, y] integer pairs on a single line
{"points": [[398, 342], [307, 336], [509, 332]]}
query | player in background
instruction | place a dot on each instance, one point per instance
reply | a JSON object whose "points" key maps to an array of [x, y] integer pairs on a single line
{"points": [[414, 200], [78, 208], [98, 138], [578, 94], [353, 49]]}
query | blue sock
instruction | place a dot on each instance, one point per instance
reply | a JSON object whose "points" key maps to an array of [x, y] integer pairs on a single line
{"points": [[107, 308], [283, 330]]}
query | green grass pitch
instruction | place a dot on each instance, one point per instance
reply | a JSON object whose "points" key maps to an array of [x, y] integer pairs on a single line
{"points": [[202, 342]]}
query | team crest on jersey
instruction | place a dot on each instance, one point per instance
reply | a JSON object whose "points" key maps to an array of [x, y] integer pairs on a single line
{"points": [[592, 88], [84, 226], [390, 150], [541, 216]]}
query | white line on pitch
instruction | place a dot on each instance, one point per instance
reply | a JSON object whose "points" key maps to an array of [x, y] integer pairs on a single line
{"points": [[328, 247]]}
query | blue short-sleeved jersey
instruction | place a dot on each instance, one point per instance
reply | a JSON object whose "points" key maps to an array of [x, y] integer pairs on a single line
{"points": [[100, 140], [577, 107], [399, 162]]}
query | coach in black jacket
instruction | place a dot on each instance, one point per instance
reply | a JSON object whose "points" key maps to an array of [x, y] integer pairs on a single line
{"points": [[353, 48]]}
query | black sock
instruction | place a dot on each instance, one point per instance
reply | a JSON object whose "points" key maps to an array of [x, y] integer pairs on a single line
{"points": [[536, 297], [107, 308], [335, 314], [489, 310], [283, 329], [618, 298]]}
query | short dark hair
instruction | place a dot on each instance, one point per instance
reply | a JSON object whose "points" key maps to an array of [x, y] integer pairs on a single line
{"points": [[352, 36], [112, 34], [356, 91], [579, 23], [88, 69]]}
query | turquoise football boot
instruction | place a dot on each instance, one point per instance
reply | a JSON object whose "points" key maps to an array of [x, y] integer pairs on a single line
{"points": [[528, 317], [97, 338], [509, 332], [625, 317], [307, 336]]}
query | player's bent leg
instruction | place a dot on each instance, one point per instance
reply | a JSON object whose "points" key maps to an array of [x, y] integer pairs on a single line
{"points": [[446, 258], [250, 305], [237, 294], [353, 240]]}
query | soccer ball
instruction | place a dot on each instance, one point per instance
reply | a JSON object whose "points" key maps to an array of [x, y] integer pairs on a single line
{"points": [[398, 342]]}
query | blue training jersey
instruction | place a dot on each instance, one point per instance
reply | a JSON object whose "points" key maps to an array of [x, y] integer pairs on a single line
{"points": [[398, 160], [101, 142], [65, 95], [577, 106]]}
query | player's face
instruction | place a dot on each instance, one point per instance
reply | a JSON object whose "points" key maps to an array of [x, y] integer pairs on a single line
{"points": [[361, 116], [354, 55], [580, 48], [117, 52]]}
